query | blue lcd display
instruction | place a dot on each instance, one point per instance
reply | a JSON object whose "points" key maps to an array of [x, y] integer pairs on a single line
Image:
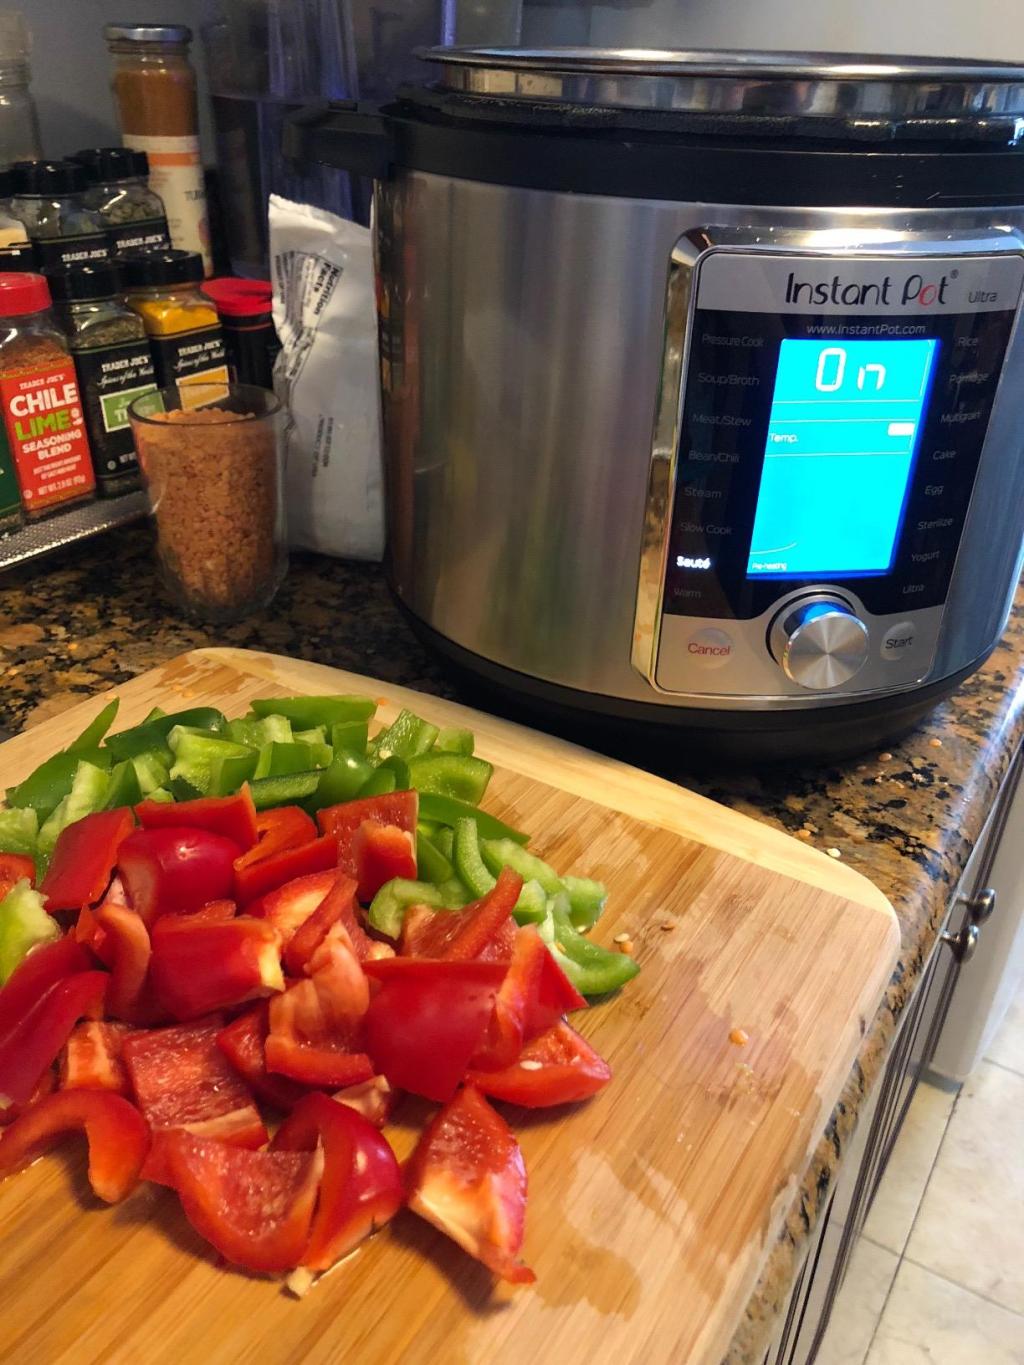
{"points": [[842, 433]]}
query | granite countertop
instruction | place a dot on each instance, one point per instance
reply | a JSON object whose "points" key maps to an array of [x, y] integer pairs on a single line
{"points": [[93, 616]]}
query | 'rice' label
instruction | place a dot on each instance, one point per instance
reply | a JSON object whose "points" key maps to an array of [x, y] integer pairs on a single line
{"points": [[191, 357], [46, 431], [112, 377], [62, 253]]}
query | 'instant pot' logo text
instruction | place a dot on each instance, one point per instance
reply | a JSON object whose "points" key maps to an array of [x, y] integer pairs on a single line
{"points": [[915, 289]]}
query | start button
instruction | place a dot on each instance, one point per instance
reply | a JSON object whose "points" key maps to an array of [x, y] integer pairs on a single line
{"points": [[709, 647], [898, 641]]}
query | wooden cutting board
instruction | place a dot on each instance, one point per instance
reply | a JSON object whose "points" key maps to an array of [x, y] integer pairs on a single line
{"points": [[651, 1207]]}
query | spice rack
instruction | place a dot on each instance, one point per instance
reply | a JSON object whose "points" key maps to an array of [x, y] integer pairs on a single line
{"points": [[65, 528]]}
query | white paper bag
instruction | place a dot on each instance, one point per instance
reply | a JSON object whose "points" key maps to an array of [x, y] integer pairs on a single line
{"points": [[327, 375]]}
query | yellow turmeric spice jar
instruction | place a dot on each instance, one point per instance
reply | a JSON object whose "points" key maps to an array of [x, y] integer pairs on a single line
{"points": [[182, 325]]}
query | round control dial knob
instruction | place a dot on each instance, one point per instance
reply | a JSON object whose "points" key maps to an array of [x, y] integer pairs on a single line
{"points": [[819, 642]]}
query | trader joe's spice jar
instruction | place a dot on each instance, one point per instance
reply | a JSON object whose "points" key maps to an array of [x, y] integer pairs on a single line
{"points": [[43, 420], [183, 328], [210, 458]]}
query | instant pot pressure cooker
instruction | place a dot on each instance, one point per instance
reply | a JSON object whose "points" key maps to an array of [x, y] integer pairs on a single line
{"points": [[703, 383]]}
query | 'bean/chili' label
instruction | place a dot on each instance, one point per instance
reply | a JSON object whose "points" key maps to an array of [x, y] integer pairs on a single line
{"points": [[111, 377], [190, 356], [61, 253], [46, 430]]}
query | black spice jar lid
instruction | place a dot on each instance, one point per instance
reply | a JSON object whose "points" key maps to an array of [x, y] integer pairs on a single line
{"points": [[99, 280], [171, 266], [6, 182], [111, 163], [49, 177]]}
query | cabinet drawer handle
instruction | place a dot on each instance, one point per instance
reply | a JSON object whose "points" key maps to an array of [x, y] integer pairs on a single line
{"points": [[980, 905], [963, 945]]}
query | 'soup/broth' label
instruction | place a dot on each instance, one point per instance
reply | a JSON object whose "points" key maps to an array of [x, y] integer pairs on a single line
{"points": [[111, 378], [46, 431]]}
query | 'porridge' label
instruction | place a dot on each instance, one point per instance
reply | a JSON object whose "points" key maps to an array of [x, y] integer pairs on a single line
{"points": [[46, 430], [111, 377]]}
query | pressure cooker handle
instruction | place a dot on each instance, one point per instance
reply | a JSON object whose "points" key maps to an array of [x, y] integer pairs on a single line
{"points": [[354, 137]]}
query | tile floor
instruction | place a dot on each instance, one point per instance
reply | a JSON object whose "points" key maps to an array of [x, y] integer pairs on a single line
{"points": [[937, 1277]]}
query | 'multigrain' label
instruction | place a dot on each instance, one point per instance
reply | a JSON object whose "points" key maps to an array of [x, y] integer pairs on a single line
{"points": [[46, 430]]}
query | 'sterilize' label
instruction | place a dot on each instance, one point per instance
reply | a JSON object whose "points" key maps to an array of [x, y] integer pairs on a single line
{"points": [[46, 430]]}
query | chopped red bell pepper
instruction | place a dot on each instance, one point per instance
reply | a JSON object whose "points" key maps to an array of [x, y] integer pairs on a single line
{"points": [[427, 1020], [84, 857], [502, 945], [14, 868], [375, 1099], [175, 870], [278, 829], [289, 906], [93, 1057], [337, 907], [533, 997], [461, 935], [341, 822], [200, 965], [467, 1177], [232, 816], [181, 1079], [128, 946], [255, 1208], [116, 1132], [213, 912], [559, 1067], [36, 974], [47, 1085], [256, 880], [315, 1025], [381, 853], [32, 1046], [242, 1043], [361, 1185]]}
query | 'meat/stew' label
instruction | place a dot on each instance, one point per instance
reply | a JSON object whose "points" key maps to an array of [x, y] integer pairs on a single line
{"points": [[46, 431]]}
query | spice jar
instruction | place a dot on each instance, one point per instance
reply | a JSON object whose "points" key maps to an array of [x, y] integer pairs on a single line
{"points": [[132, 214], [16, 251], [42, 412], [211, 462], [48, 200], [155, 92], [19, 123], [244, 309], [111, 352], [184, 332]]}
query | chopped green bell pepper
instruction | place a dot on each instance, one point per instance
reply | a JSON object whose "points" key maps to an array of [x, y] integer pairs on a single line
{"points": [[388, 907], [406, 736], [183, 790], [151, 771], [317, 735], [278, 760], [593, 970], [381, 782], [431, 863], [123, 789], [50, 783], [19, 830], [197, 753], [499, 853], [447, 810], [307, 712], [350, 737], [469, 865], [587, 900], [532, 905], [151, 737], [457, 775], [288, 790], [160, 794], [88, 793], [451, 740], [444, 841], [342, 780], [23, 925], [227, 773], [256, 731], [93, 733], [155, 714]]}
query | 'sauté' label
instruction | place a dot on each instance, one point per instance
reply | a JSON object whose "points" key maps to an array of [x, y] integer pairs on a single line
{"points": [[111, 377], [46, 431]]}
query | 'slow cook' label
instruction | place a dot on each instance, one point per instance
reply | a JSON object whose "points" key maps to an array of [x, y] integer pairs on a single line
{"points": [[46, 431]]}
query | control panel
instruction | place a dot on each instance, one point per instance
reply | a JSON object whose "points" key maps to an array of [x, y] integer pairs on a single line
{"points": [[833, 415]]}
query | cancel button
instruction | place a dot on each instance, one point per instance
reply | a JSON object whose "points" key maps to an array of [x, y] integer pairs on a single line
{"points": [[898, 640], [709, 648]]}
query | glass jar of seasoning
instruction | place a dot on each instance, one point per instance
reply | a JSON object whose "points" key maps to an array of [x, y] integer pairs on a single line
{"points": [[39, 400], [244, 309], [184, 331], [111, 352], [132, 213], [16, 251], [155, 93], [48, 200]]}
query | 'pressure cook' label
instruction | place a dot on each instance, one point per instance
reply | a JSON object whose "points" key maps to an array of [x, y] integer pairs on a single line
{"points": [[62, 253], [145, 234], [46, 430], [111, 377], [191, 357]]}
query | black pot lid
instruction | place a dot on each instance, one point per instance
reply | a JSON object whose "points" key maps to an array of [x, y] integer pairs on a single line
{"points": [[807, 84]]}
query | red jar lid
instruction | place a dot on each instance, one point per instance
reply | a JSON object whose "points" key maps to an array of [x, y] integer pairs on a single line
{"points": [[22, 293], [237, 298]]}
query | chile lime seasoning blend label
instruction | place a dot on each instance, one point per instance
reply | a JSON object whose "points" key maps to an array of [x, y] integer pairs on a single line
{"points": [[46, 432]]}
